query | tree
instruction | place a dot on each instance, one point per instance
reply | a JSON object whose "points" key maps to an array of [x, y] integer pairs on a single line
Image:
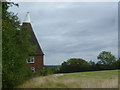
{"points": [[106, 58], [117, 64], [74, 65], [92, 65], [15, 49]]}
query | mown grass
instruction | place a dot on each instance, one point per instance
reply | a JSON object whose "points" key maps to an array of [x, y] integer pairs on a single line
{"points": [[109, 74], [94, 79]]}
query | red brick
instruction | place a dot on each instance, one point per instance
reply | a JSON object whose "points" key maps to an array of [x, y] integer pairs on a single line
{"points": [[38, 62]]}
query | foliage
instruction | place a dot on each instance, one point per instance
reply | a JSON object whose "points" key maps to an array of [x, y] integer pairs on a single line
{"points": [[15, 50], [117, 64], [106, 58], [39, 73], [74, 65], [92, 66], [107, 62], [52, 69], [45, 71]]}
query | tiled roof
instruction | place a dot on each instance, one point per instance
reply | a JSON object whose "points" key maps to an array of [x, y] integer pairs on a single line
{"points": [[33, 39]]}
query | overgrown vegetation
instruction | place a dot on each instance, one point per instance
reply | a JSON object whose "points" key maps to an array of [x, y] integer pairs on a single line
{"points": [[46, 71], [15, 49]]}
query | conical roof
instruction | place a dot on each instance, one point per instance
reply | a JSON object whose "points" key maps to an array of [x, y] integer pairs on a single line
{"points": [[33, 39]]}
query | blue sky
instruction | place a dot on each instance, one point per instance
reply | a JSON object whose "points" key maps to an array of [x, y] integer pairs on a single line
{"points": [[73, 30]]}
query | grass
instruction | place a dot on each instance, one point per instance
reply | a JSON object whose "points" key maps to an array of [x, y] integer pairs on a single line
{"points": [[109, 74], [93, 79]]}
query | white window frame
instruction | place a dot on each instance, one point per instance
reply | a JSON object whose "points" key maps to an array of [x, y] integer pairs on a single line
{"points": [[33, 69], [31, 59]]}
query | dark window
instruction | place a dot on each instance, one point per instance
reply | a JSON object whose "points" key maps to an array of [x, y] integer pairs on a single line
{"points": [[30, 59]]}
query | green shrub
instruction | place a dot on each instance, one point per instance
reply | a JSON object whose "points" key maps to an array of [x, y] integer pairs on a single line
{"points": [[43, 72], [16, 48]]}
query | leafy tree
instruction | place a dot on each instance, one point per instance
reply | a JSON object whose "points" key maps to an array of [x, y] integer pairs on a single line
{"points": [[15, 49], [117, 64], [92, 65], [74, 65], [106, 58]]}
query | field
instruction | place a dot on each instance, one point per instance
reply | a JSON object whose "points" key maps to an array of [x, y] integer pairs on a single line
{"points": [[93, 79]]}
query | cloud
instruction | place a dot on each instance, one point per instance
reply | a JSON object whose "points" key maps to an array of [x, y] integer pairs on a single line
{"points": [[66, 30]]}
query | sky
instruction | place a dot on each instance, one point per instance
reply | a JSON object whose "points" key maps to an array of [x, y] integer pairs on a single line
{"points": [[72, 29]]}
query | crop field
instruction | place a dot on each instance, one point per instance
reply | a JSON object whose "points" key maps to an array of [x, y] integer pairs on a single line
{"points": [[92, 79]]}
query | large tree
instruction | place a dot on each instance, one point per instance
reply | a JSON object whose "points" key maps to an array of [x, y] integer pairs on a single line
{"points": [[74, 65], [15, 49], [106, 58]]}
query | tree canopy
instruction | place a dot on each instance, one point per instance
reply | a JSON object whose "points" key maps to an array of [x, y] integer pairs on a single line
{"points": [[74, 65], [106, 58], [107, 62], [15, 49]]}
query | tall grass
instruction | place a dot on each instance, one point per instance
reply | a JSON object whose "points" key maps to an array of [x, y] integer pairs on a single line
{"points": [[73, 81]]}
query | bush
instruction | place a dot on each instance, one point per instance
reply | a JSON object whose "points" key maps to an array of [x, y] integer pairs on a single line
{"points": [[43, 72], [74, 65], [16, 49]]}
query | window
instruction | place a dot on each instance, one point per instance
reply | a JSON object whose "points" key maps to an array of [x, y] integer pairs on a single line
{"points": [[30, 59], [33, 69]]}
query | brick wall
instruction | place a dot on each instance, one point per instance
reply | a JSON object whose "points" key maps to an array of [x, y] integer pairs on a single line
{"points": [[38, 62]]}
